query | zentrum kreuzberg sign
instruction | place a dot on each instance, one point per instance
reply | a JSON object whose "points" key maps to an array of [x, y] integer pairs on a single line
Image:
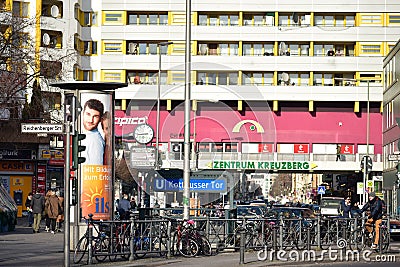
{"points": [[263, 165]]}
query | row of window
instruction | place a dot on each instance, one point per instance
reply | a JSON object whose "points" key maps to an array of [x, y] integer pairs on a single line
{"points": [[253, 19], [239, 78], [250, 49]]}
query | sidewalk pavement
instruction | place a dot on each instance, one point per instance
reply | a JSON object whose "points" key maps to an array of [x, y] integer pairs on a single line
{"points": [[24, 248]]}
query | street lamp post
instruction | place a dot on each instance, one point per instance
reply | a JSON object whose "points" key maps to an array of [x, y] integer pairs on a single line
{"points": [[157, 166], [365, 172], [186, 151]]}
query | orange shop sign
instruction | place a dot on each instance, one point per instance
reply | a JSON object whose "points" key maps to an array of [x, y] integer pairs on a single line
{"points": [[15, 166]]}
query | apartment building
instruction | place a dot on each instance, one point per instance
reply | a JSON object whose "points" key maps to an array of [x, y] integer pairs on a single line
{"points": [[391, 133], [272, 82], [314, 70]]}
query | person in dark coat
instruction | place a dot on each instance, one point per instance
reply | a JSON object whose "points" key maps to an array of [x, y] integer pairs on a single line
{"points": [[37, 206], [29, 209], [53, 209], [375, 208], [345, 207]]}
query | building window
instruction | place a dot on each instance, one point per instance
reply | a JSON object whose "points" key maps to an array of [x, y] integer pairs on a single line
{"points": [[20, 9], [135, 18], [218, 19], [371, 49], [113, 18], [112, 47], [219, 78], [257, 78], [330, 20], [368, 19], [258, 49], [394, 19], [223, 49], [145, 77], [112, 76]]}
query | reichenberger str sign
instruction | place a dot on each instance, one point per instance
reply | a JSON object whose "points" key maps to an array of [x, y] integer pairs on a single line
{"points": [[261, 165]]}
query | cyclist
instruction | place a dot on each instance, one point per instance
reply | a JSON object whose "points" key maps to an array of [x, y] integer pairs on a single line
{"points": [[374, 205]]}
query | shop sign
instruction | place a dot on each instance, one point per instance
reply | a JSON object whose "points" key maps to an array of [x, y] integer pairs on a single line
{"points": [[301, 148], [262, 165], [15, 154], [11, 166]]}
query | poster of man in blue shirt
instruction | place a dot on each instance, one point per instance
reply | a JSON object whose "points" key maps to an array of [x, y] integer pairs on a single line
{"points": [[92, 113]]}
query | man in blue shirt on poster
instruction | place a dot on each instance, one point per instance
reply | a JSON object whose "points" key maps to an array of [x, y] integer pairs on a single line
{"points": [[94, 142]]}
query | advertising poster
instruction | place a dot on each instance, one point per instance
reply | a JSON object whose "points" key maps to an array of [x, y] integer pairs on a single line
{"points": [[96, 171]]}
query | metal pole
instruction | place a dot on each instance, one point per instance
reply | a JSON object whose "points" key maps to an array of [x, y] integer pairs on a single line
{"points": [[365, 166], [157, 154], [186, 151], [66, 193], [157, 167]]}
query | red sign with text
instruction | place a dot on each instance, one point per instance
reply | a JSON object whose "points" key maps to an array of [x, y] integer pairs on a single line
{"points": [[347, 149], [265, 148], [301, 148]]}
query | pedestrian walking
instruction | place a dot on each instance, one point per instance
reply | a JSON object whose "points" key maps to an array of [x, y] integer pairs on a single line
{"points": [[37, 205], [53, 209], [46, 217], [29, 209], [123, 207], [60, 217]]}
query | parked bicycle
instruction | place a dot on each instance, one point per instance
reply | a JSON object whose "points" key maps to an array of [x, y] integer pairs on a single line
{"points": [[98, 245]]}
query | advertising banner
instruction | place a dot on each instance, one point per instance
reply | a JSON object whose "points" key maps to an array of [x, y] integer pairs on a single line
{"points": [[96, 171]]}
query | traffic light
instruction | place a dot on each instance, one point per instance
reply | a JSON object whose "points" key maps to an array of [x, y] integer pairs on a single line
{"points": [[366, 164], [76, 149]]}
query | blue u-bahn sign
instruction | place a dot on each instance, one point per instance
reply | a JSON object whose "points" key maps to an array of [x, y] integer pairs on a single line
{"points": [[196, 185]]}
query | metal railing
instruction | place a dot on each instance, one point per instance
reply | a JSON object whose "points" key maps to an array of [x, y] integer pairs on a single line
{"points": [[153, 236]]}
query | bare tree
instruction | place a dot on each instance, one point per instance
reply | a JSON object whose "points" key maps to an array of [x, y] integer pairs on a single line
{"points": [[22, 63]]}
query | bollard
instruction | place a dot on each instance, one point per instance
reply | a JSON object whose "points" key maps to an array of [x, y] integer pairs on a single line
{"points": [[132, 240], [274, 243], [242, 245], [308, 238], [90, 238], [169, 240], [281, 234], [319, 231]]}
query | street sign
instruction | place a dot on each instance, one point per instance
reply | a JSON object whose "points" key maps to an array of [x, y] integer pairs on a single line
{"points": [[360, 188], [142, 157], [394, 157], [321, 189], [41, 128]]}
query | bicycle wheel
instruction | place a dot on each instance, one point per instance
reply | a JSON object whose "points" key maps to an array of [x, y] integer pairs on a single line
{"points": [[141, 245], [125, 247], [356, 240], [159, 244], [100, 249], [188, 247], [385, 239], [206, 246], [80, 249]]}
